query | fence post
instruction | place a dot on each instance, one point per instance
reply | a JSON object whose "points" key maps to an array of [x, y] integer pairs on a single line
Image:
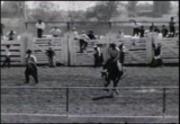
{"points": [[164, 101], [67, 101]]}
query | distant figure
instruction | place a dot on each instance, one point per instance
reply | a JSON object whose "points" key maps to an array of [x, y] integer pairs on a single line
{"points": [[7, 57], [50, 54], [31, 68], [40, 28], [2, 27], [156, 29], [98, 56], [75, 34], [141, 31], [157, 60], [56, 32], [122, 50], [11, 34], [91, 35], [164, 31], [151, 28], [136, 28], [172, 27], [120, 35], [83, 41]]}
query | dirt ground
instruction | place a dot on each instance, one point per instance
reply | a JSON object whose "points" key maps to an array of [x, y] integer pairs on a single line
{"points": [[131, 102]]}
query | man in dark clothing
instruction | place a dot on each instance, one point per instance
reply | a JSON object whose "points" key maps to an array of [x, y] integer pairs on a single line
{"points": [[141, 30], [91, 35], [31, 68], [2, 27], [172, 27], [122, 53], [157, 60], [11, 34], [50, 54], [156, 29], [98, 57], [164, 31], [151, 28]]}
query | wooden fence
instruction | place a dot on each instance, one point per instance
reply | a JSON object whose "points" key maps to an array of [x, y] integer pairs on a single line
{"points": [[138, 50]]}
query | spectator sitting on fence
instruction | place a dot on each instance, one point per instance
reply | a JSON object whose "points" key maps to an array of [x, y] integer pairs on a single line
{"points": [[11, 34], [135, 28], [31, 68], [91, 35], [157, 60], [83, 41], [7, 57], [50, 54], [98, 56], [156, 29], [75, 34], [151, 28], [172, 27], [56, 32], [164, 31], [141, 31], [40, 27]]}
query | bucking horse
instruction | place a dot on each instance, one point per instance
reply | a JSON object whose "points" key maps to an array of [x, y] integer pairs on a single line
{"points": [[113, 74]]}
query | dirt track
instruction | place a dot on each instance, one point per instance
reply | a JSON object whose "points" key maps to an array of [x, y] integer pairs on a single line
{"points": [[126, 103]]}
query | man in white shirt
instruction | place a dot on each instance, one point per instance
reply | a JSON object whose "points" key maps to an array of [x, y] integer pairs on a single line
{"points": [[56, 32], [136, 27], [40, 27], [83, 41], [7, 57], [31, 68], [75, 34]]}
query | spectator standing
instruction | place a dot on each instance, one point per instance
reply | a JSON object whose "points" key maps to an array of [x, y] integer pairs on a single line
{"points": [[7, 57], [172, 27], [141, 31], [83, 41], [91, 35], [31, 68], [151, 28], [98, 56], [11, 34], [157, 60], [122, 50], [55, 32], [50, 54], [164, 31], [40, 28], [2, 27]]}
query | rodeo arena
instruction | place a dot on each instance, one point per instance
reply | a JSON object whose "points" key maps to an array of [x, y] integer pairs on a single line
{"points": [[101, 71]]}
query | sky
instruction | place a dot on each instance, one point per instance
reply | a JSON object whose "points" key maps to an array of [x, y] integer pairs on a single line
{"points": [[71, 5], [74, 5]]}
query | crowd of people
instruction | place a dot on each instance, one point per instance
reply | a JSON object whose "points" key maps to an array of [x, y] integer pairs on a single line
{"points": [[139, 30], [116, 53]]}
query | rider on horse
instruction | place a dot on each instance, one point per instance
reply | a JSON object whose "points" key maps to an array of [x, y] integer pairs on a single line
{"points": [[113, 59], [31, 68]]}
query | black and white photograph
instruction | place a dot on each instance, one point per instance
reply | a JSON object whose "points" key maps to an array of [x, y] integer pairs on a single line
{"points": [[90, 62]]}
